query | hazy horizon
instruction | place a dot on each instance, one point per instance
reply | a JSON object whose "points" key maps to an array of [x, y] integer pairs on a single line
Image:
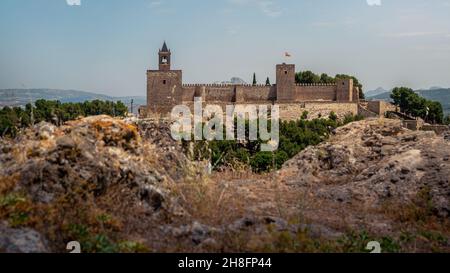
{"points": [[105, 46]]}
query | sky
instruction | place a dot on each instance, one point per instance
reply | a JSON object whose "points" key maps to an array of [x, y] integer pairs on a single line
{"points": [[106, 46]]}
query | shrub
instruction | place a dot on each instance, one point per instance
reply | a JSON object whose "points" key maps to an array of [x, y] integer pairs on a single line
{"points": [[333, 116], [305, 115]]}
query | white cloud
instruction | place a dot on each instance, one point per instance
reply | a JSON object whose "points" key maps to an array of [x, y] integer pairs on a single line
{"points": [[268, 7], [155, 4], [73, 2], [374, 2]]}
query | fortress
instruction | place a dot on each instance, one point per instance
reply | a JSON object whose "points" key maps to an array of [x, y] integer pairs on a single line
{"points": [[165, 89]]}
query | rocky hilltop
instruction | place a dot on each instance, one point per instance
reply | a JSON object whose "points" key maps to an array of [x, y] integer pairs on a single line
{"points": [[376, 161], [95, 175], [377, 176], [126, 186]]}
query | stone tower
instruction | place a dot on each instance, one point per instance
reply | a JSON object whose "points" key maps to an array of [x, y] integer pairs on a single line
{"points": [[164, 58], [164, 86], [285, 82], [344, 90]]}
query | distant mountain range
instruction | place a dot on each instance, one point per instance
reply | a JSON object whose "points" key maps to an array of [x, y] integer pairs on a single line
{"points": [[20, 97], [376, 92], [435, 93]]}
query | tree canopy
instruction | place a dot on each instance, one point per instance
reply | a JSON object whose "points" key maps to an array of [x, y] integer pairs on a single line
{"points": [[13, 119], [447, 120], [309, 77], [412, 104]]}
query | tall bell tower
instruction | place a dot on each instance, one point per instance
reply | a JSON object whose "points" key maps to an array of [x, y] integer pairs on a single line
{"points": [[164, 86], [164, 58]]}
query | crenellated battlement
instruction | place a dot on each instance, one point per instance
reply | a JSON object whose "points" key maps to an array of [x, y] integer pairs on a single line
{"points": [[315, 84], [223, 85], [208, 85]]}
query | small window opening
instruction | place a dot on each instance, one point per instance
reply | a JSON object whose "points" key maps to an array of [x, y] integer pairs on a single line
{"points": [[164, 82]]}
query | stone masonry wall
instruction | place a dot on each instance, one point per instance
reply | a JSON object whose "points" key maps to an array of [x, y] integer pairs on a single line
{"points": [[315, 92], [219, 93], [317, 109], [188, 92], [229, 93], [259, 93], [381, 107], [294, 111]]}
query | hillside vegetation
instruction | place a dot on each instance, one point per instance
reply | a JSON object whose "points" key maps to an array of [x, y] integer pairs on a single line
{"points": [[119, 185], [14, 119], [295, 136], [413, 104], [441, 95]]}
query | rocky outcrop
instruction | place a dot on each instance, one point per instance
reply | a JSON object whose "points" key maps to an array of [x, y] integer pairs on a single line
{"points": [[84, 165], [97, 151], [22, 240], [374, 161], [112, 183]]}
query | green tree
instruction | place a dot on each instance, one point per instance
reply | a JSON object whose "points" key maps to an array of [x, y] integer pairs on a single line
{"points": [[401, 97], [295, 136], [121, 109], [324, 78], [435, 112], [447, 120], [307, 77], [254, 79], [412, 104], [12, 120], [8, 122], [268, 82]]}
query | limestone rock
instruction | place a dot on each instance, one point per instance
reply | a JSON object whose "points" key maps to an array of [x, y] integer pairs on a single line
{"points": [[93, 157], [373, 161], [23, 240]]}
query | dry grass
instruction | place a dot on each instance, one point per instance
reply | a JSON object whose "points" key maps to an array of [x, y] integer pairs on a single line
{"points": [[7, 183]]}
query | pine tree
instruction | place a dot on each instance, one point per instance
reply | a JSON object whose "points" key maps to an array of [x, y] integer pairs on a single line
{"points": [[268, 82], [254, 79]]}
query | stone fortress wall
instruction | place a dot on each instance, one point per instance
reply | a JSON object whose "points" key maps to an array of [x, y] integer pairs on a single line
{"points": [[256, 93], [293, 111], [165, 89]]}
